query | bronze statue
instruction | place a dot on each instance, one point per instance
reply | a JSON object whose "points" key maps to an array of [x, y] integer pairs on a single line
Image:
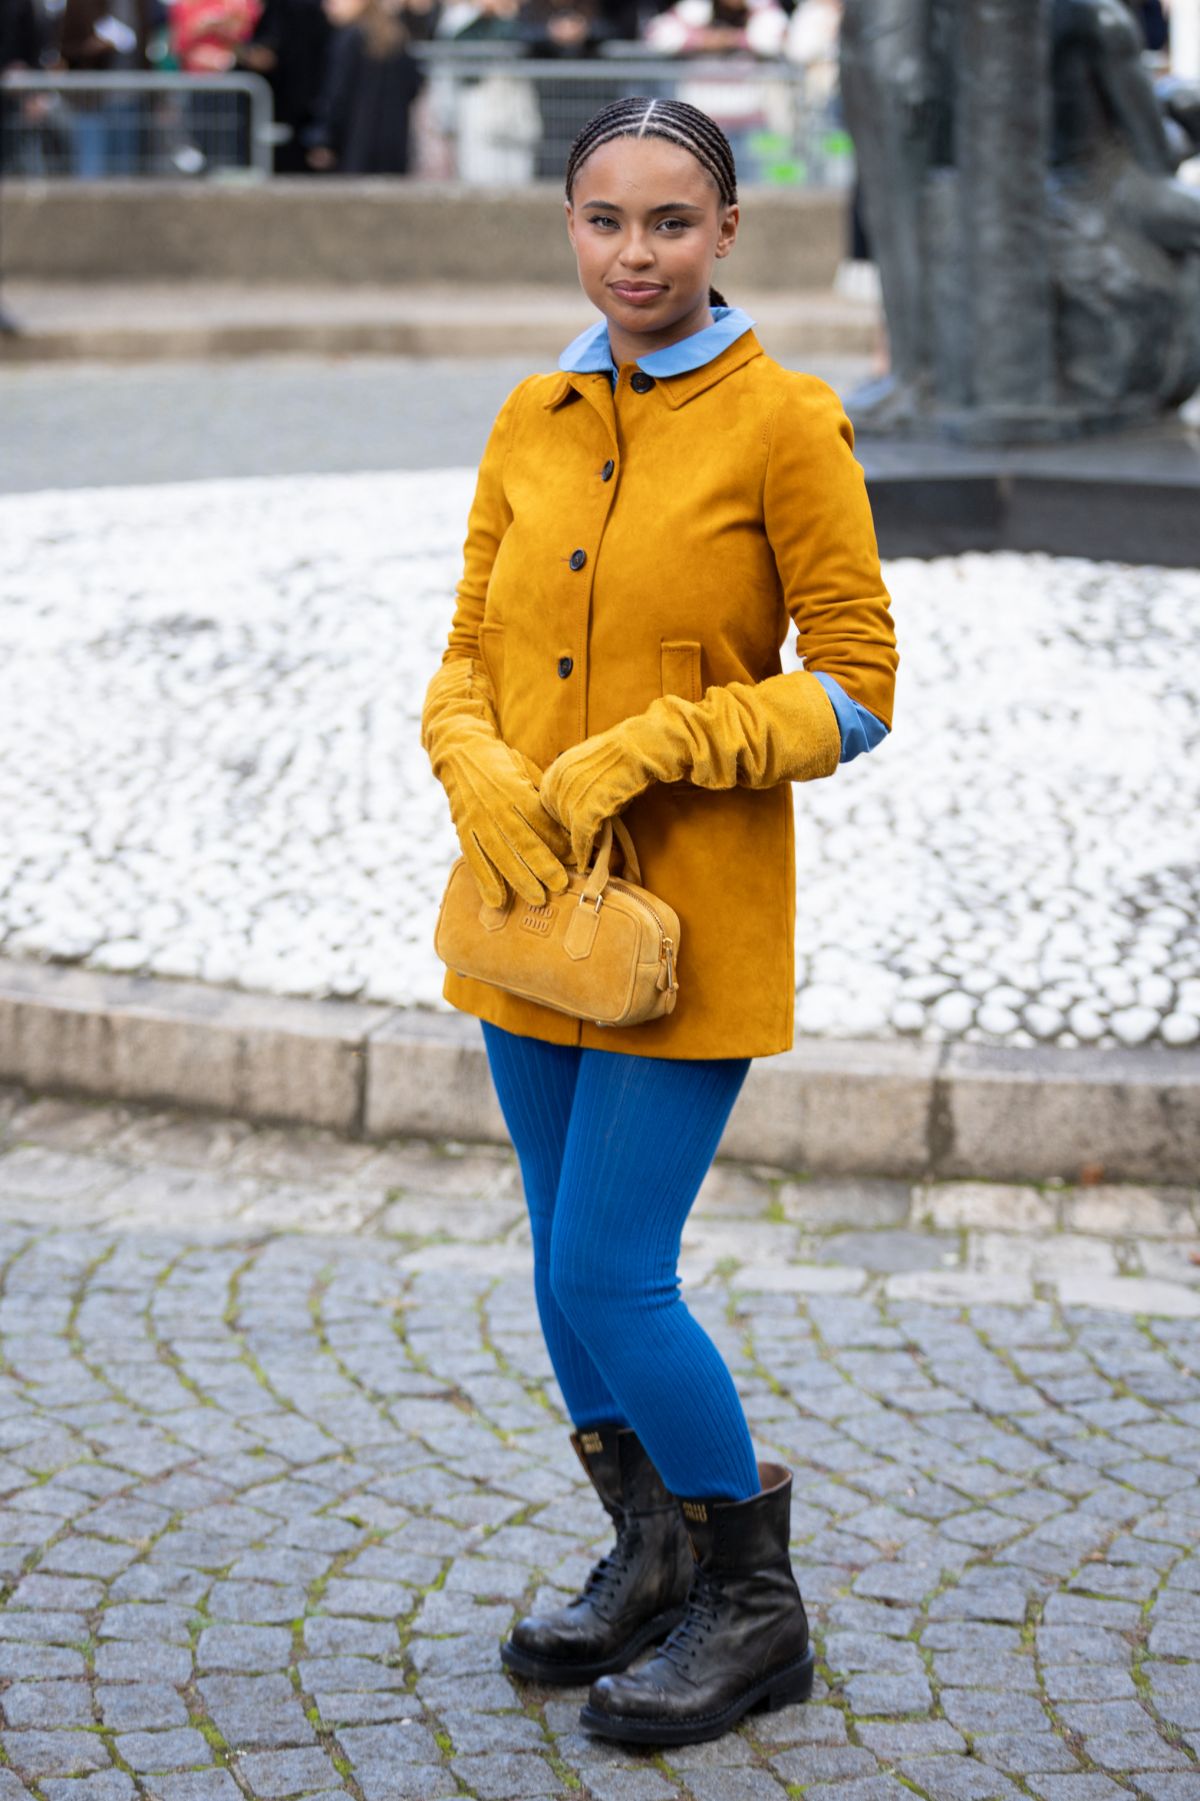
{"points": [[1040, 263], [1126, 234], [887, 92]]}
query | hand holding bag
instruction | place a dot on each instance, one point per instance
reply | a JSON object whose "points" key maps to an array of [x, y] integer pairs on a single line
{"points": [[741, 735], [604, 950], [507, 837]]}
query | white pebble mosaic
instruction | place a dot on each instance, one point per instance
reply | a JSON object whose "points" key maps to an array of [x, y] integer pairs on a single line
{"points": [[210, 767]]}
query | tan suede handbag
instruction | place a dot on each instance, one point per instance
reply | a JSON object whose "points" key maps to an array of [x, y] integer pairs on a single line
{"points": [[604, 950]]}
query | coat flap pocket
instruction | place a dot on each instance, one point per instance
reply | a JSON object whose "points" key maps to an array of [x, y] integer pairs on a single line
{"points": [[681, 668]]}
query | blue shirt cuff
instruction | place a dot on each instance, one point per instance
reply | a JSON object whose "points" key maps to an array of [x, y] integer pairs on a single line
{"points": [[860, 730]]}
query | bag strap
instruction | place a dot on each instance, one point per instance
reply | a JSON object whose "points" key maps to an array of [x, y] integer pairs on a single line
{"points": [[597, 880], [597, 875], [630, 864]]}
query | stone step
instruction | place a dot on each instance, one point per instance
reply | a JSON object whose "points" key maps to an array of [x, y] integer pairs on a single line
{"points": [[186, 319]]}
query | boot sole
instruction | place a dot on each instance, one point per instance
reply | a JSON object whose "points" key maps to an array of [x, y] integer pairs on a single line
{"points": [[560, 1673], [794, 1682]]}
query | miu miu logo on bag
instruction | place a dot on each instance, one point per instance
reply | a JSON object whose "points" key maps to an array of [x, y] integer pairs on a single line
{"points": [[537, 919], [695, 1510], [591, 1442]]}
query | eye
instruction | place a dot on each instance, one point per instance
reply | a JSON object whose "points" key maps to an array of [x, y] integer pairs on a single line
{"points": [[600, 219], [682, 224]]}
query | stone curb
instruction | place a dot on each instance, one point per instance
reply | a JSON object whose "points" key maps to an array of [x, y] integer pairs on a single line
{"points": [[888, 1108]]}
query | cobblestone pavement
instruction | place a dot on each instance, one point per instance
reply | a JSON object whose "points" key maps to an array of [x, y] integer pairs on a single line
{"points": [[210, 768], [282, 1458]]}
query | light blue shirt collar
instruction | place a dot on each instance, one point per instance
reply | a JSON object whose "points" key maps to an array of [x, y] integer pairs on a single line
{"points": [[591, 352]]}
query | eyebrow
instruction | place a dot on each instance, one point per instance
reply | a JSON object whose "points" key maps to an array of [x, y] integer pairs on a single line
{"points": [[672, 206]]}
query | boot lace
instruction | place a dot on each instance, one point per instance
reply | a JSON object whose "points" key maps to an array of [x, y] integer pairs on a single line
{"points": [[699, 1620], [610, 1571]]}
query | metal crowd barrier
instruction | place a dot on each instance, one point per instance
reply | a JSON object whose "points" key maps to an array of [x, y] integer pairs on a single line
{"points": [[132, 125], [489, 116], [498, 118]]}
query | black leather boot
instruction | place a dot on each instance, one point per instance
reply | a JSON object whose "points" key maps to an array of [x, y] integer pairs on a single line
{"points": [[742, 1642], [635, 1594]]}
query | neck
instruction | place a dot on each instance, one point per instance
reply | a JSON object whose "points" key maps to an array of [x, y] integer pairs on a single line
{"points": [[627, 346]]}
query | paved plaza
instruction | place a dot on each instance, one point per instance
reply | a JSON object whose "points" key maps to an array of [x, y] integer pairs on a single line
{"points": [[116, 425], [210, 768], [282, 1454], [283, 1458], [209, 758]]}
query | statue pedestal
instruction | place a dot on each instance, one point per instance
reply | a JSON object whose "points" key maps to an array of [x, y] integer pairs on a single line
{"points": [[1015, 426], [1131, 497]]}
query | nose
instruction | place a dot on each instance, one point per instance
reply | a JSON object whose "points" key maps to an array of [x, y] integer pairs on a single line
{"points": [[636, 252]]}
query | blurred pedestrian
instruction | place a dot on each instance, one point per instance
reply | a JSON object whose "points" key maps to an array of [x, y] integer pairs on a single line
{"points": [[565, 29], [812, 41], [289, 48], [206, 39], [707, 27], [738, 31], [820, 143], [104, 37], [24, 118], [363, 117], [206, 34], [489, 122], [420, 19], [482, 21], [22, 35]]}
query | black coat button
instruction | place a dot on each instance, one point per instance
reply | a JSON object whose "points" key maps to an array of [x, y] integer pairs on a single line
{"points": [[640, 382], [565, 666], [578, 559], [607, 470]]}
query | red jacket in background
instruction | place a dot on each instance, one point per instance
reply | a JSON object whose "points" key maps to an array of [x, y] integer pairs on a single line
{"points": [[205, 32]]}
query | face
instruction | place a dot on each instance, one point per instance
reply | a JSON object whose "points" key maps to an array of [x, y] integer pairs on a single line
{"points": [[647, 226]]}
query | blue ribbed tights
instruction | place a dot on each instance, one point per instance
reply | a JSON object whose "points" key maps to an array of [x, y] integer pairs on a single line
{"points": [[613, 1150]]}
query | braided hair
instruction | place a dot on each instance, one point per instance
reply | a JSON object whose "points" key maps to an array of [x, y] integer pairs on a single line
{"points": [[675, 120]]}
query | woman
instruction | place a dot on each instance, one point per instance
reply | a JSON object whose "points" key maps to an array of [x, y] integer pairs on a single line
{"points": [[644, 524], [361, 122]]}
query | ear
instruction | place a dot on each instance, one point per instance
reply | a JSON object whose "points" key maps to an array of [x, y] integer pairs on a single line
{"points": [[570, 212], [727, 230]]}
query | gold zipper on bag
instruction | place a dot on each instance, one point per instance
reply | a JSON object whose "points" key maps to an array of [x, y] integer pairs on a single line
{"points": [[668, 943]]}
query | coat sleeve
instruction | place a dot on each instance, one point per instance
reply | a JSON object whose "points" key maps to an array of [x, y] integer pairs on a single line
{"points": [[818, 521], [487, 522]]}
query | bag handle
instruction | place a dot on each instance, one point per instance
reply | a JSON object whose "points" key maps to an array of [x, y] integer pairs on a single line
{"points": [[597, 880], [629, 857]]}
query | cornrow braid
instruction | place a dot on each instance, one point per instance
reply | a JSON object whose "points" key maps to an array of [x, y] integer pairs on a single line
{"points": [[638, 116]]}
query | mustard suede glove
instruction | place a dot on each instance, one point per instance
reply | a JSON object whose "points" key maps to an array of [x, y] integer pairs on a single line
{"points": [[505, 833], [745, 734]]}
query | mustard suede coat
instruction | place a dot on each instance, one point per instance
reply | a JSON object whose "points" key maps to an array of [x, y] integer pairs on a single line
{"points": [[732, 502]]}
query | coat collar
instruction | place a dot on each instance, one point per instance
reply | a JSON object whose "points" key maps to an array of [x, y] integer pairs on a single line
{"points": [[679, 389], [592, 349]]}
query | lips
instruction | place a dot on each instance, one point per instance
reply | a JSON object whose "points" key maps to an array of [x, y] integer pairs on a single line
{"points": [[633, 287]]}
